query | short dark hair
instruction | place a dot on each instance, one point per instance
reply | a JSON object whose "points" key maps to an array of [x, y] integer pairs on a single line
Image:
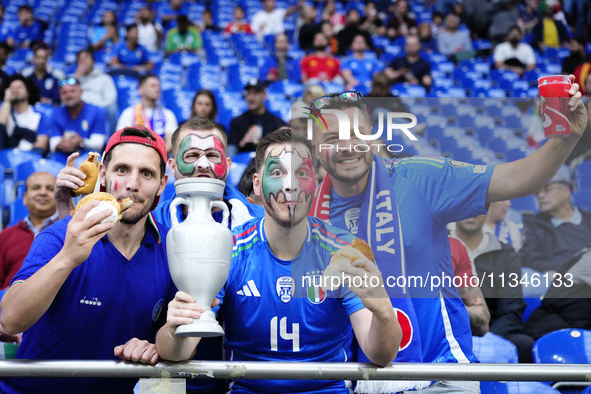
{"points": [[137, 132], [144, 78], [436, 13], [280, 136], [581, 40], [245, 185], [25, 8], [182, 19], [514, 27], [4, 45], [80, 52], [38, 46], [199, 124], [214, 107], [129, 27]]}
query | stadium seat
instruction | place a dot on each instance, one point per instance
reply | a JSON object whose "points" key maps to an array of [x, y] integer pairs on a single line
{"points": [[492, 348], [568, 346], [516, 388], [519, 153], [18, 211], [239, 164], [496, 132], [504, 144], [528, 288], [24, 170], [437, 133], [582, 175], [582, 198], [526, 205], [408, 90], [468, 120], [587, 390], [10, 158]]}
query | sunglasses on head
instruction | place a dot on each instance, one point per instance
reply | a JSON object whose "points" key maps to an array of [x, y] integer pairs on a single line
{"points": [[324, 100], [68, 81]]}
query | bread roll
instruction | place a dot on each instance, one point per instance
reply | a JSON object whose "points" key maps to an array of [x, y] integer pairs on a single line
{"points": [[90, 168], [346, 255], [107, 201]]}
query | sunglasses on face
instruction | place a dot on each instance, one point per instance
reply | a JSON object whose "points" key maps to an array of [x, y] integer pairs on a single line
{"points": [[67, 81], [324, 100]]}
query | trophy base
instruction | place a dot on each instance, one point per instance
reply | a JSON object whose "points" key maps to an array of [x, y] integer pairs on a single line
{"points": [[204, 327]]}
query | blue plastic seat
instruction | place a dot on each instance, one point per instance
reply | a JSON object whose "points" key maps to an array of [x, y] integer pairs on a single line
{"points": [[408, 90], [528, 204], [492, 348], [438, 133], [457, 143], [505, 144], [532, 303], [497, 132], [26, 169], [582, 175], [582, 198], [568, 346], [519, 153], [10, 158], [516, 388]]}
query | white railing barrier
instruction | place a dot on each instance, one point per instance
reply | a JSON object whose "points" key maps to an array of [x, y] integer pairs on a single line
{"points": [[295, 370]]}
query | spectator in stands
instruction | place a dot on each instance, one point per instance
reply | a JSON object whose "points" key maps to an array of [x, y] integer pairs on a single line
{"points": [[82, 257], [148, 113], [4, 69], [504, 229], [327, 30], [130, 55], [19, 122], [437, 24], [269, 20], [4, 30], [76, 125], [184, 37], [330, 14], [98, 88], [105, 35], [528, 15], [28, 30], [558, 232], [280, 66], [239, 24], [320, 66], [15, 241], [308, 29], [171, 10], [351, 29], [506, 304], [205, 107], [411, 68], [471, 295], [578, 55], [359, 69], [380, 85], [247, 129], [503, 20], [428, 42], [549, 32], [245, 184], [402, 24], [514, 55], [312, 92], [207, 23], [46, 82], [451, 41], [150, 34], [371, 22]]}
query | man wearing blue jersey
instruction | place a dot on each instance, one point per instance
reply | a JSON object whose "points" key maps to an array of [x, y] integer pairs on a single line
{"points": [[429, 193], [87, 288], [359, 68], [269, 311]]}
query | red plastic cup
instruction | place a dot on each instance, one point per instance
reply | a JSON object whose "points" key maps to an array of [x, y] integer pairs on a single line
{"points": [[555, 111]]}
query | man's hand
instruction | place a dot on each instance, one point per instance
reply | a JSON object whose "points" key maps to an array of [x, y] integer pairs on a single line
{"points": [[183, 309], [83, 233], [7, 96], [138, 351], [76, 140], [68, 179], [578, 117], [372, 290]]}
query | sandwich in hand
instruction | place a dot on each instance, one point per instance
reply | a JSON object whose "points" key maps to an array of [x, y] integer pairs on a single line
{"points": [[90, 168], [106, 201], [344, 257]]}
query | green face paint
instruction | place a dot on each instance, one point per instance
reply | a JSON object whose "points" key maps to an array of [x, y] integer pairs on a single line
{"points": [[209, 156], [272, 184], [185, 168]]}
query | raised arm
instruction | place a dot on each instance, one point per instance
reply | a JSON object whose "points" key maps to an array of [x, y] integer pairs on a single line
{"points": [[376, 327], [25, 302], [524, 177]]}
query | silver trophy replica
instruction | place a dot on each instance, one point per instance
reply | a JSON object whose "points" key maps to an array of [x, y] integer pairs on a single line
{"points": [[199, 250]]}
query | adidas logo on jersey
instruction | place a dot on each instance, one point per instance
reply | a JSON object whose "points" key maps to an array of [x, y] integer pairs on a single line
{"points": [[249, 290]]}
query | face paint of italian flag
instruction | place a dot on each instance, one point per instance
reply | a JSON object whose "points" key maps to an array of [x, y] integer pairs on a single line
{"points": [[286, 173], [203, 145]]}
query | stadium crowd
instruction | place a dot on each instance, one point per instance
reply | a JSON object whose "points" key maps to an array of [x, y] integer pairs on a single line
{"points": [[239, 76]]}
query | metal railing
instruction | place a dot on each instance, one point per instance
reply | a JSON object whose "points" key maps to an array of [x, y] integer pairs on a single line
{"points": [[295, 370]]}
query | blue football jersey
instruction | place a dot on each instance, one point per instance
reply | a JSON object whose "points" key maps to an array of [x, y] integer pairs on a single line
{"points": [[274, 312]]}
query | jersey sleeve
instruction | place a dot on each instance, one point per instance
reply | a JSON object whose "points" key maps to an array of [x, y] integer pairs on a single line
{"points": [[453, 190], [44, 248]]}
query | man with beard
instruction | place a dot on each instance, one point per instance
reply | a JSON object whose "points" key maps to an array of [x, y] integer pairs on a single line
{"points": [[321, 66], [87, 287], [423, 194], [269, 313], [513, 55]]}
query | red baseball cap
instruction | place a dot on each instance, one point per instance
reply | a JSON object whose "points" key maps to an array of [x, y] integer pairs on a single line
{"points": [[154, 141]]}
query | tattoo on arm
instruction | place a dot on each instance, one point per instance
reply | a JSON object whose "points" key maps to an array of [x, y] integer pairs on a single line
{"points": [[477, 309]]}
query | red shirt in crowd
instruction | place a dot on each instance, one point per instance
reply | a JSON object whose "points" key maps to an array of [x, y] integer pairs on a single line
{"points": [[15, 242], [461, 262], [234, 27], [325, 67]]}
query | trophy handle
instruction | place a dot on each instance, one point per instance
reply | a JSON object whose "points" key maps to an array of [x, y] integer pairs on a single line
{"points": [[176, 202], [224, 207]]}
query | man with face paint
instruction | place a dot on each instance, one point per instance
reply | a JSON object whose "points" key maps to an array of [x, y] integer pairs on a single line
{"points": [[269, 314], [105, 281], [424, 193]]}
